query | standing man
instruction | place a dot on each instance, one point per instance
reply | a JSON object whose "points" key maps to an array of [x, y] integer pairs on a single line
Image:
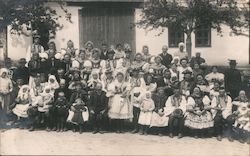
{"points": [[166, 57], [104, 51], [232, 78]]}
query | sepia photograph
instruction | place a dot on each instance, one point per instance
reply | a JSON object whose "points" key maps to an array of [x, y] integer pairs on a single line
{"points": [[125, 77]]}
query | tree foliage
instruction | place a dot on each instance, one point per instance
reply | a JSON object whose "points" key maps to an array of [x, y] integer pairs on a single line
{"points": [[189, 15], [33, 15]]}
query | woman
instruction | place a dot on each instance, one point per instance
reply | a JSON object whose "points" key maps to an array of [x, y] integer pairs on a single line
{"points": [[120, 108], [89, 47], [23, 101], [71, 50], [96, 61], [81, 58], [181, 53], [109, 64], [159, 119], [52, 49], [157, 69], [198, 115], [202, 84], [138, 63], [214, 76], [119, 53], [150, 85], [183, 67]]}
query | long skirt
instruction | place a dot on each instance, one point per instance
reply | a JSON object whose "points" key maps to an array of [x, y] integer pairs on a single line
{"points": [[145, 118], [119, 108], [78, 118], [5, 103], [21, 110], [194, 121], [158, 121]]}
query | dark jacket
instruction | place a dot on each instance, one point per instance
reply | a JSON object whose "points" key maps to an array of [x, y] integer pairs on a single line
{"points": [[159, 101], [98, 101], [166, 59], [21, 73]]}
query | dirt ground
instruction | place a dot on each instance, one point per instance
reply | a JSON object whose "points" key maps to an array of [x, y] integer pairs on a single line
{"points": [[23, 142]]}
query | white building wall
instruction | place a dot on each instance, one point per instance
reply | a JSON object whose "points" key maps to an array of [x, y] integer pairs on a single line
{"points": [[222, 49], [18, 45]]}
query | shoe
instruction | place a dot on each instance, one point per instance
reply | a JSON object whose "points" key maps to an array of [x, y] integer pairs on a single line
{"points": [[180, 135], [134, 131], [48, 129], [196, 137], [230, 139], [171, 135], [219, 138], [58, 130], [95, 131], [241, 141], [145, 133], [160, 134], [101, 132], [31, 129], [54, 129]]}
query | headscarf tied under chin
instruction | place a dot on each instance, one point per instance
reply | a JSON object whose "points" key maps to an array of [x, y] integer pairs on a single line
{"points": [[53, 85], [24, 95], [5, 70]]}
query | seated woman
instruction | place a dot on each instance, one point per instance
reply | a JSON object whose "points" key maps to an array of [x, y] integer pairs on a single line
{"points": [[23, 102], [202, 84], [150, 85], [214, 76], [175, 109], [157, 70], [159, 119], [198, 116]]}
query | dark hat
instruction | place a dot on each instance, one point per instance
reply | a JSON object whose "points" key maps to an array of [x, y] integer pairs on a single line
{"points": [[22, 60], [111, 52], [187, 72], [36, 36], [108, 72], [232, 62]]}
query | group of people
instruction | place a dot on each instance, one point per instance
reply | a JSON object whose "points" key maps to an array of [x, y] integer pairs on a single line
{"points": [[113, 89]]}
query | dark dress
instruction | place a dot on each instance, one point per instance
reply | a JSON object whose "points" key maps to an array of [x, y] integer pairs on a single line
{"points": [[61, 108], [77, 117]]}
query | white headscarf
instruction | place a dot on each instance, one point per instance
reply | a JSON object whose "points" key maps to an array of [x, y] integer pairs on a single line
{"points": [[22, 95], [53, 85]]}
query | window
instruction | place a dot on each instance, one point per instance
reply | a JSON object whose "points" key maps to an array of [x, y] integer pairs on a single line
{"points": [[175, 37], [203, 37]]}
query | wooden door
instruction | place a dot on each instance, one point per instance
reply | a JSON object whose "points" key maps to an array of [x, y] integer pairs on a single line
{"points": [[107, 25]]}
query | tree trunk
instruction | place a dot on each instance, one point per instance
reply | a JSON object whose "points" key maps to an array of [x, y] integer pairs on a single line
{"points": [[189, 45]]}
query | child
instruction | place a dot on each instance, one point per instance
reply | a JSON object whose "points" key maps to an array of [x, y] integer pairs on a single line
{"points": [[93, 80], [52, 83], [147, 108], [78, 114], [98, 105], [61, 111], [44, 107], [23, 101], [6, 88]]}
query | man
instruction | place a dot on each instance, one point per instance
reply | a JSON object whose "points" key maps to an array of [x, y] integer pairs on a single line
{"points": [[232, 80], [22, 72], [104, 51], [175, 109], [197, 59], [166, 57], [222, 113]]}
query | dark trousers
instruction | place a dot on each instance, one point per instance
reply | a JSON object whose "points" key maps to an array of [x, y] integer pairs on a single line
{"points": [[99, 121], [176, 124], [220, 123], [136, 113]]}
